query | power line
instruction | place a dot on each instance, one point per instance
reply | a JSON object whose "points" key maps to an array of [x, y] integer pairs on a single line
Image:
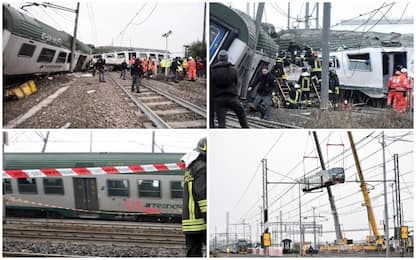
{"points": [[131, 21], [151, 12]]}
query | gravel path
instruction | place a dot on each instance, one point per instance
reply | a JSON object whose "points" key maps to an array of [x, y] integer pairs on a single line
{"points": [[47, 247], [315, 118], [46, 87], [87, 104]]}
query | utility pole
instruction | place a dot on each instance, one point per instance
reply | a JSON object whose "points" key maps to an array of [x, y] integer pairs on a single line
{"points": [[300, 223], [386, 209], [314, 227], [307, 15], [328, 188], [281, 227], [90, 141], [325, 55], [166, 35], [317, 15], [45, 142], [399, 212], [227, 232], [265, 197], [153, 141], [205, 16], [74, 38], [288, 15]]}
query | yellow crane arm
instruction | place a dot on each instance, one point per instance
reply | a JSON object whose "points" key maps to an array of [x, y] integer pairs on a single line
{"points": [[364, 189]]}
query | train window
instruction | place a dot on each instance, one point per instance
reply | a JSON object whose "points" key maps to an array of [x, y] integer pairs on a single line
{"points": [[149, 188], [27, 50], [53, 186], [110, 56], [118, 188], [143, 55], [61, 57], [152, 55], [160, 56], [176, 189], [7, 186], [359, 62], [46, 55], [333, 62], [120, 55], [27, 185]]}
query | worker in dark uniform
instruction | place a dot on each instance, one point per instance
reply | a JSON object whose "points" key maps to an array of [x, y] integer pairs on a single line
{"points": [[123, 70], [136, 71], [334, 87], [100, 67], [194, 217], [294, 96], [316, 68], [305, 85], [224, 91], [267, 88]]}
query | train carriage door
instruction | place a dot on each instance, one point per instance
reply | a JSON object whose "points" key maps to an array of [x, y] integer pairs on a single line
{"points": [[85, 193], [80, 62], [390, 62]]}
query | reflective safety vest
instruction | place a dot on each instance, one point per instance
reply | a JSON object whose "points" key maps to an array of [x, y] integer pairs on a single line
{"points": [[185, 64], [266, 239], [194, 198], [294, 100], [168, 63], [179, 66], [305, 84], [163, 63], [316, 66]]}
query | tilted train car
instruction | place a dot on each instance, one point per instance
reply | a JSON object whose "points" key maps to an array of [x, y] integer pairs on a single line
{"points": [[33, 47], [114, 56], [322, 179], [235, 31], [149, 196]]}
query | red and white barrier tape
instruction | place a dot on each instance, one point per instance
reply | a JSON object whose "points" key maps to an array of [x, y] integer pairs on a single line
{"points": [[62, 172]]}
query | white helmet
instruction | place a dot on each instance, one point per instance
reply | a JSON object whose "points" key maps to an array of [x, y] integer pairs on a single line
{"points": [[297, 85], [404, 70]]}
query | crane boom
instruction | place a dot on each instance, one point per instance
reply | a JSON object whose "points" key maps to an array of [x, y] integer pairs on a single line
{"points": [[364, 190]]}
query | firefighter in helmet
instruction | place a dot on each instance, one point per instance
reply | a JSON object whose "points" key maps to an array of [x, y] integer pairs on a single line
{"points": [[194, 216]]}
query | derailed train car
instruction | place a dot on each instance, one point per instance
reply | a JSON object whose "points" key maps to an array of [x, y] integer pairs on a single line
{"points": [[32, 47], [140, 196], [235, 31]]}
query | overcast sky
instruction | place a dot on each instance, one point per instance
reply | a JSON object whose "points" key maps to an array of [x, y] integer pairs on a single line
{"points": [[235, 160], [104, 140], [340, 10], [100, 22]]}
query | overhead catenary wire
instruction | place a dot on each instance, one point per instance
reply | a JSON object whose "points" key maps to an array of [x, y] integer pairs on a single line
{"points": [[147, 17]]}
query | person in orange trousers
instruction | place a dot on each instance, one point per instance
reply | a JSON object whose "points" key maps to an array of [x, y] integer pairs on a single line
{"points": [[401, 87], [191, 69], [144, 66]]}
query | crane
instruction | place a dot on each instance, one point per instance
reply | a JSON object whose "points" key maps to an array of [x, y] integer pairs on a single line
{"points": [[377, 238]]}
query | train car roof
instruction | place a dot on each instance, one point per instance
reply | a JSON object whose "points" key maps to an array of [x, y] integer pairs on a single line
{"points": [[346, 39], [25, 26], [106, 49], [246, 27], [27, 161]]}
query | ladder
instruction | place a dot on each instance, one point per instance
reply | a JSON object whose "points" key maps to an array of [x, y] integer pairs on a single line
{"points": [[283, 88], [316, 90]]}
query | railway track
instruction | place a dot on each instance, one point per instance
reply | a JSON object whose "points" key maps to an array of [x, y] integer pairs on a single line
{"points": [[145, 235], [163, 109], [257, 123], [21, 254]]}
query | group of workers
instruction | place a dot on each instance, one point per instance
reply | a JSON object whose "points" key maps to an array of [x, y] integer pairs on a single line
{"points": [[186, 67]]}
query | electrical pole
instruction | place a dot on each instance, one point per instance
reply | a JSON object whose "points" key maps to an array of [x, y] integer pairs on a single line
{"points": [[325, 55], [314, 227], [265, 197], [386, 209], [281, 227], [328, 188], [166, 35], [300, 223], [203, 31], [317, 15], [307, 15], [288, 15], [153, 141], [45, 142], [227, 232], [74, 38]]}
